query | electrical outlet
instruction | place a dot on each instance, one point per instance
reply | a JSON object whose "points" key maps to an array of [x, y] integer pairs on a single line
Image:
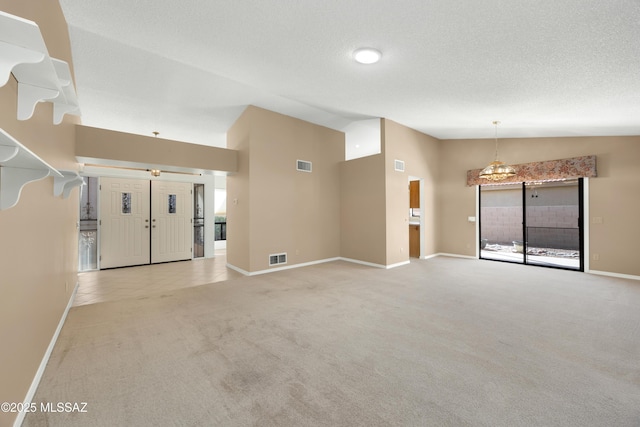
{"points": [[596, 257]]}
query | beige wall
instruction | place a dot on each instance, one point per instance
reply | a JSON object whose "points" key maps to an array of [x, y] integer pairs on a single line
{"points": [[38, 255], [238, 201], [420, 153], [612, 194], [98, 145], [375, 197], [288, 211], [362, 210]]}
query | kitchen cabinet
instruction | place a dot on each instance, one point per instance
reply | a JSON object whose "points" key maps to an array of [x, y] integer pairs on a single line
{"points": [[414, 194], [414, 241]]}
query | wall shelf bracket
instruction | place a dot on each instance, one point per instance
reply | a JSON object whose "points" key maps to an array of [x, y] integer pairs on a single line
{"points": [[69, 181], [13, 180], [29, 96], [18, 167], [20, 43], [24, 54], [13, 55]]}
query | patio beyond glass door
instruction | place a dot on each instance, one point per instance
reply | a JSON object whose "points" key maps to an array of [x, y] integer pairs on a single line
{"points": [[544, 228], [553, 224], [501, 219]]}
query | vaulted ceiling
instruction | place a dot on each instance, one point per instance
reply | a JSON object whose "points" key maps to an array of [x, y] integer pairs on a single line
{"points": [[449, 68]]}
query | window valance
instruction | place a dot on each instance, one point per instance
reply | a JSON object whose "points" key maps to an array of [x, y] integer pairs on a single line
{"points": [[552, 170]]}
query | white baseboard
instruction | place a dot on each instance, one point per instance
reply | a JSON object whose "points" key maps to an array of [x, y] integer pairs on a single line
{"points": [[285, 267], [322, 261], [45, 359], [238, 269], [357, 261], [618, 275], [454, 255], [398, 264]]}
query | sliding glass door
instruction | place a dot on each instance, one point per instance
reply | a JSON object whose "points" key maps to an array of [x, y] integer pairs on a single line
{"points": [[533, 223], [553, 224], [501, 219]]}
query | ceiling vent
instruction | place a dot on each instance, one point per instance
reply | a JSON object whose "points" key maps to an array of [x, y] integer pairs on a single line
{"points": [[399, 165], [277, 259], [303, 166]]}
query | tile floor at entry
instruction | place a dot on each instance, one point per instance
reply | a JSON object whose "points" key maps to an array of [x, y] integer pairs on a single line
{"points": [[134, 282]]}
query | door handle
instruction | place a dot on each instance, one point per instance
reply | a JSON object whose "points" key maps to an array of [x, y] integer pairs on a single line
{"points": [[146, 226]]}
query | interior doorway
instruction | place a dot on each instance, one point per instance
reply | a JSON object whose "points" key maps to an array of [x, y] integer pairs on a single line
{"points": [[537, 223], [415, 217]]}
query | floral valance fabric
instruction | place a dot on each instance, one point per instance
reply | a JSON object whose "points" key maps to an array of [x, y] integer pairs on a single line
{"points": [[552, 170]]}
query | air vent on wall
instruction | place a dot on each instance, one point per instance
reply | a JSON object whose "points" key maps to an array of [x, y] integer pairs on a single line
{"points": [[399, 165], [277, 259], [303, 165]]}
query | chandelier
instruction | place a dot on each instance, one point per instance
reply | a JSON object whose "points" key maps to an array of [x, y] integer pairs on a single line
{"points": [[497, 170]]}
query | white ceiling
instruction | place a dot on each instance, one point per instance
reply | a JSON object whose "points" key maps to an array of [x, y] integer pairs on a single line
{"points": [[450, 67]]}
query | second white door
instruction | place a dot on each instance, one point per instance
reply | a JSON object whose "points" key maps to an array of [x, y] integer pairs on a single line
{"points": [[171, 207]]}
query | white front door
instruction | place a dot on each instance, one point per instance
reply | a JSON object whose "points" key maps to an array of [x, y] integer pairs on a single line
{"points": [[171, 227], [124, 222]]}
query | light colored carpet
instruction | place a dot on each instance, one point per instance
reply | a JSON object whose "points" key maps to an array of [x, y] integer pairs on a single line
{"points": [[440, 342]]}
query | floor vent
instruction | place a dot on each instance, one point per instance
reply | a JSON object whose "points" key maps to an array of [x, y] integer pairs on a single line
{"points": [[399, 165], [277, 259], [303, 166]]}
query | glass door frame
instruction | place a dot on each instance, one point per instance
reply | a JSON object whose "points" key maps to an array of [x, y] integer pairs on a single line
{"points": [[199, 235], [525, 260]]}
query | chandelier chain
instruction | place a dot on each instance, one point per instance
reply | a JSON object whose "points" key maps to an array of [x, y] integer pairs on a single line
{"points": [[496, 123]]}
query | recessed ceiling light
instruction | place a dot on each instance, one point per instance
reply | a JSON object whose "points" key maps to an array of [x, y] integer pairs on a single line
{"points": [[367, 55]]}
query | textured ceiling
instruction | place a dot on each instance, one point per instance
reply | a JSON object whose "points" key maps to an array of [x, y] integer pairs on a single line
{"points": [[450, 67]]}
